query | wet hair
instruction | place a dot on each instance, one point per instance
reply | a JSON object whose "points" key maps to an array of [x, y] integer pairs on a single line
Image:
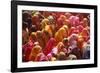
{"points": [[65, 40], [47, 33], [39, 34], [71, 57], [61, 56]]}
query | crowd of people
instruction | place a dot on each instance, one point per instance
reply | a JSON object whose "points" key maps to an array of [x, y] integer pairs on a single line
{"points": [[55, 36]]}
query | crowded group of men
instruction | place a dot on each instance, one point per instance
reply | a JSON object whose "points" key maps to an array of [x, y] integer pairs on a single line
{"points": [[55, 36]]}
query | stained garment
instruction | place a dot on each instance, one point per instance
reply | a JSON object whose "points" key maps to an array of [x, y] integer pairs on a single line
{"points": [[85, 34], [40, 38], [74, 20], [49, 29], [49, 46], [60, 34], [73, 30], [34, 52], [33, 37], [44, 22], [60, 21], [46, 36], [41, 57], [26, 50]]}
